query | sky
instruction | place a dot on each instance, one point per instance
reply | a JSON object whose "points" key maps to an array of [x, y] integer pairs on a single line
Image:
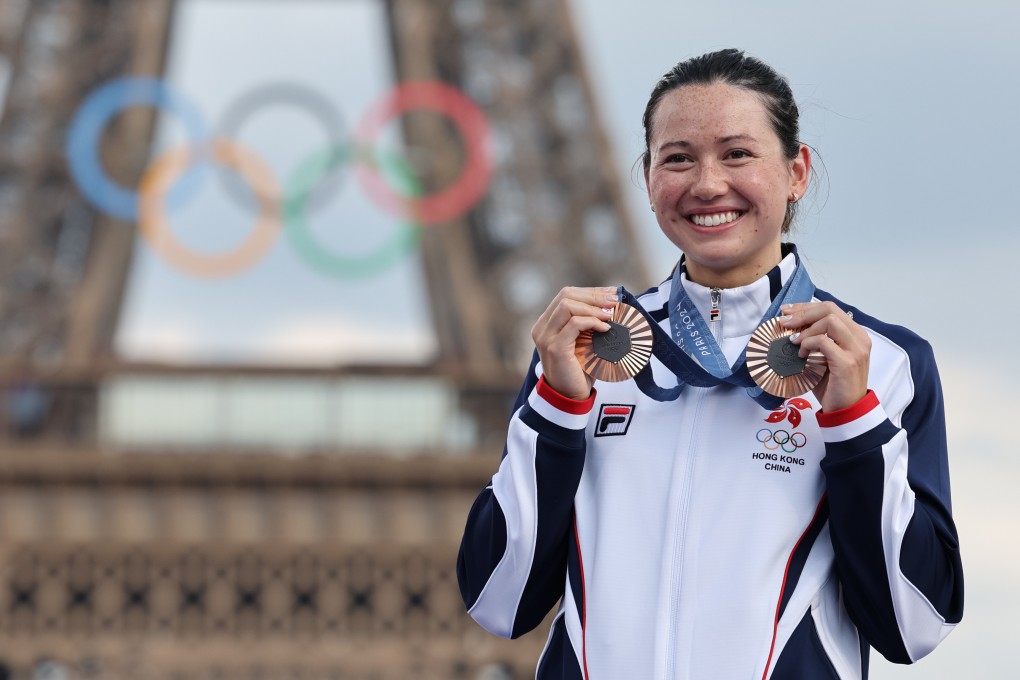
{"points": [[911, 106]]}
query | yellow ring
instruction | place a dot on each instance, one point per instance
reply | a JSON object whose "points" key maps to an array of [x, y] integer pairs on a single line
{"points": [[152, 221]]}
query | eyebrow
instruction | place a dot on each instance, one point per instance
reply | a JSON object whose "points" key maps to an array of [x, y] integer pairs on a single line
{"points": [[720, 140]]}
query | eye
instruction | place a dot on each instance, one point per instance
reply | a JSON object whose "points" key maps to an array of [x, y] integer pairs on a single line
{"points": [[676, 158], [738, 154]]}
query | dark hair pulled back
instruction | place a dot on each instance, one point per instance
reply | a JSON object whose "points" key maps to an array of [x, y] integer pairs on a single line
{"points": [[733, 67]]}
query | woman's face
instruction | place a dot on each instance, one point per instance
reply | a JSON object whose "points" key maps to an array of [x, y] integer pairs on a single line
{"points": [[719, 182]]}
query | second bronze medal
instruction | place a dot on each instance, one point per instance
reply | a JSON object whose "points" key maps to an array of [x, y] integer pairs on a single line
{"points": [[776, 365]]}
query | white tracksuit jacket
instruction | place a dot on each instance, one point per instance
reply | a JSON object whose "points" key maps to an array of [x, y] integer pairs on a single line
{"points": [[707, 538]]}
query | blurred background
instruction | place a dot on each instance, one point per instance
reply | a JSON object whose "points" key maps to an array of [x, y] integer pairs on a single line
{"points": [[268, 270]]}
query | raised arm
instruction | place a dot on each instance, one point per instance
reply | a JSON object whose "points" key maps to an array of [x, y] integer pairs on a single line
{"points": [[513, 557]]}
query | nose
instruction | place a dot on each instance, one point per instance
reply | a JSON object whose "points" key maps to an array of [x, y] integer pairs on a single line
{"points": [[710, 182]]}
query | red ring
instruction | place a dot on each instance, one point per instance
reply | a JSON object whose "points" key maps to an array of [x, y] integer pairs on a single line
{"points": [[474, 177]]}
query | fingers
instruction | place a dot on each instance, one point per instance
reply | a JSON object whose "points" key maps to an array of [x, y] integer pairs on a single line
{"points": [[571, 312], [579, 308], [823, 327]]}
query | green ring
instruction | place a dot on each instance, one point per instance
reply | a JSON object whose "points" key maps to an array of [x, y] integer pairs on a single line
{"points": [[299, 187]]}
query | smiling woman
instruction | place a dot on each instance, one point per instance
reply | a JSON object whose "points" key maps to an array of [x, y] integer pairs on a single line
{"points": [[675, 542], [720, 183], [734, 125]]}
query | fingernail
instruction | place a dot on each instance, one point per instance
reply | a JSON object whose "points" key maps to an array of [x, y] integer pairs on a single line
{"points": [[613, 297], [794, 337], [785, 318], [607, 310], [787, 308]]}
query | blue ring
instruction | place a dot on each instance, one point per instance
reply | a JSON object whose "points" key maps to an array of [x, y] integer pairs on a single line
{"points": [[86, 131]]}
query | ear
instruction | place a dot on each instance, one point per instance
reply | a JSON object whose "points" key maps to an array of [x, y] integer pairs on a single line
{"points": [[648, 187], [800, 171]]}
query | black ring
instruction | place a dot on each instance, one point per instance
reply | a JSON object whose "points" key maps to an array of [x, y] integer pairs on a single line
{"points": [[295, 94]]}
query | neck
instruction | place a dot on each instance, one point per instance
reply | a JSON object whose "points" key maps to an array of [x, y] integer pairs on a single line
{"points": [[732, 277], [728, 279]]}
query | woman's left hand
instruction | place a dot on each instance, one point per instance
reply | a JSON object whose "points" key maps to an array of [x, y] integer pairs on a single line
{"points": [[826, 328]]}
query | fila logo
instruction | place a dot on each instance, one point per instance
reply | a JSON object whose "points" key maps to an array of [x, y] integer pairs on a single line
{"points": [[614, 419]]}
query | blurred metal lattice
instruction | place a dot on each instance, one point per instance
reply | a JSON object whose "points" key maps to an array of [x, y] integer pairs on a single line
{"points": [[62, 265], [250, 566], [554, 214], [228, 564]]}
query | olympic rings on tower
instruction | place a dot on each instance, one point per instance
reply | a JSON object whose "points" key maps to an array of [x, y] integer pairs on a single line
{"points": [[173, 176]]}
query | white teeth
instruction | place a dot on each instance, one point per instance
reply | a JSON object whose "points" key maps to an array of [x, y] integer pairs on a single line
{"points": [[716, 219]]}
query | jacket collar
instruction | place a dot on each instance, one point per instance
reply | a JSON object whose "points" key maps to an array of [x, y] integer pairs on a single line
{"points": [[741, 308]]}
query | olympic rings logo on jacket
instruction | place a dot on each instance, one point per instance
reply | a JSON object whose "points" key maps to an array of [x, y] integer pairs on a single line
{"points": [[176, 174], [781, 439]]}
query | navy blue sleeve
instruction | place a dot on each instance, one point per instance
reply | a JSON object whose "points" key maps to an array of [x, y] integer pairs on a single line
{"points": [[513, 557], [484, 541], [896, 546]]}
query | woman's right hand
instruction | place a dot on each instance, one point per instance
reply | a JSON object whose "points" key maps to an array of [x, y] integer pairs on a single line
{"points": [[555, 333]]}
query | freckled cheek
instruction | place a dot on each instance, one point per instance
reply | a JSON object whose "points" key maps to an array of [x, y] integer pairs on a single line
{"points": [[771, 204], [664, 199]]}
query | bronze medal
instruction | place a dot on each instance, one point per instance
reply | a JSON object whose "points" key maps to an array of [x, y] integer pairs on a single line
{"points": [[775, 364], [619, 353]]}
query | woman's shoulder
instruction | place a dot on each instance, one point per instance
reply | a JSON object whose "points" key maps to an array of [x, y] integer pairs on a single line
{"points": [[891, 338]]}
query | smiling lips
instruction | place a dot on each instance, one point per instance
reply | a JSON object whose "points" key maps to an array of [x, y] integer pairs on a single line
{"points": [[715, 219]]}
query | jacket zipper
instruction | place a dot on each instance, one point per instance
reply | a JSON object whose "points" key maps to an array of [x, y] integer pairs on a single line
{"points": [[679, 538], [715, 313]]}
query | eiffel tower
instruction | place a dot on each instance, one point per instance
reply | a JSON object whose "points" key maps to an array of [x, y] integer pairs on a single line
{"points": [[227, 564]]}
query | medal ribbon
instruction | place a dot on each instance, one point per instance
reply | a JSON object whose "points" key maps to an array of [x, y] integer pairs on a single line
{"points": [[706, 366]]}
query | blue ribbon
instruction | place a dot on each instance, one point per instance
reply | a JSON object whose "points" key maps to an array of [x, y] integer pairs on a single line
{"points": [[691, 331]]}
